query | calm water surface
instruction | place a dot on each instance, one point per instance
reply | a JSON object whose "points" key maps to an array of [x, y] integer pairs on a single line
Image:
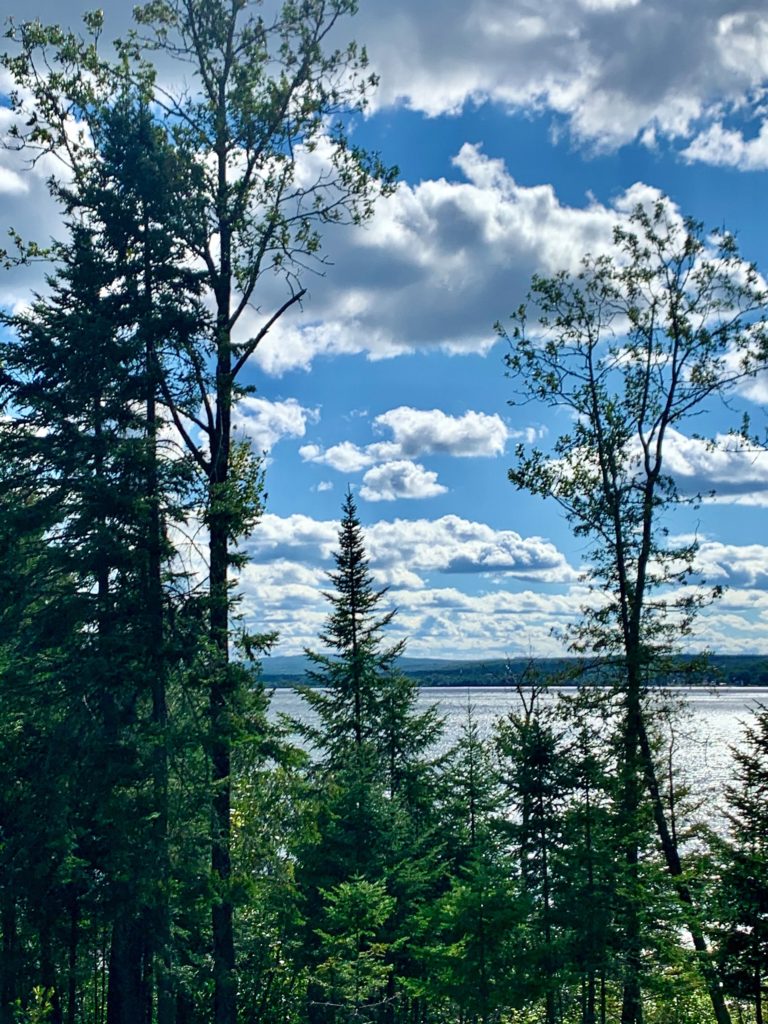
{"points": [[712, 723]]}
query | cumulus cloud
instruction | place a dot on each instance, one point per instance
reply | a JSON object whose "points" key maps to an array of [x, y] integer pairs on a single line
{"points": [[449, 544], [283, 585], [453, 544], [435, 622], [296, 538], [347, 457], [615, 70], [428, 270], [265, 423], [416, 432], [428, 431], [731, 467], [726, 147], [739, 565], [400, 479]]}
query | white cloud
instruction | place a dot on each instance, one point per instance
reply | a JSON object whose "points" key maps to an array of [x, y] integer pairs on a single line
{"points": [[449, 544], [347, 457], [731, 467], [295, 537], [615, 70], [740, 565], [283, 584], [439, 262], [416, 432], [11, 183], [453, 544], [283, 587], [265, 423], [427, 431], [400, 479], [725, 147]]}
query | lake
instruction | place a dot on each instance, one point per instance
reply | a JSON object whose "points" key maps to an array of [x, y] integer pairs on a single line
{"points": [[712, 724]]}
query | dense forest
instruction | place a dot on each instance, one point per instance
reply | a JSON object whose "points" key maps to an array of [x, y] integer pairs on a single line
{"points": [[168, 852]]}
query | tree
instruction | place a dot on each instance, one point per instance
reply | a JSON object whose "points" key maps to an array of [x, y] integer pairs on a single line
{"points": [[742, 904], [354, 671], [74, 376], [632, 347], [353, 974], [81, 382], [535, 773], [590, 865], [269, 97], [472, 938], [372, 773]]}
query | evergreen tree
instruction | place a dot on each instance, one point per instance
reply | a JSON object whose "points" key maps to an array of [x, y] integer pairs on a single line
{"points": [[350, 679], [535, 774], [84, 439], [266, 90], [742, 906], [372, 773], [472, 940], [590, 862]]}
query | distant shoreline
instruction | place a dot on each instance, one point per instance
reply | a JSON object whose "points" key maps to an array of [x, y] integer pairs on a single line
{"points": [[718, 670]]}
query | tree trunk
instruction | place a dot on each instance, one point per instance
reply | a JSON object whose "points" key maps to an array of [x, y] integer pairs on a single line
{"points": [[161, 937], [225, 985], [9, 965], [72, 946], [631, 1004], [127, 986], [758, 997], [48, 973], [674, 866]]}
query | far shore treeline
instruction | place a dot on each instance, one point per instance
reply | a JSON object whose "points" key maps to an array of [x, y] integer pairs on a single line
{"points": [[682, 670]]}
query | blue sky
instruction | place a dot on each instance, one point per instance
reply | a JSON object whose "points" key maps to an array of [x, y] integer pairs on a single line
{"points": [[523, 133]]}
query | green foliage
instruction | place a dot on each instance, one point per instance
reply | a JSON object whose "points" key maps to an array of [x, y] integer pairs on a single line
{"points": [[353, 972], [741, 897], [359, 666], [633, 345]]}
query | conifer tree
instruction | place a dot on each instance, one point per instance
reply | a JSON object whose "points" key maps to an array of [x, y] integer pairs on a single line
{"points": [[357, 663], [535, 774], [742, 906], [372, 772], [266, 90]]}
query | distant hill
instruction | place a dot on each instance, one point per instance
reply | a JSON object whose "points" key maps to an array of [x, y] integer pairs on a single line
{"points": [[721, 670]]}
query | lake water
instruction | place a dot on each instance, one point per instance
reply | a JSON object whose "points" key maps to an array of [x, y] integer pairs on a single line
{"points": [[711, 725]]}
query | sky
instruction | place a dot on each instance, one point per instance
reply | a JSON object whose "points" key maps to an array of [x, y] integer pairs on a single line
{"points": [[523, 133]]}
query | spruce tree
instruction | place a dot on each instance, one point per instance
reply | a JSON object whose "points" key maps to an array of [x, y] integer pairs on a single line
{"points": [[742, 907], [259, 90], [357, 663], [373, 778]]}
